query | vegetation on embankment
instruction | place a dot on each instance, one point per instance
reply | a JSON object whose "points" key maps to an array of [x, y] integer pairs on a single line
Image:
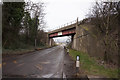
{"points": [[90, 66], [6, 52], [20, 51]]}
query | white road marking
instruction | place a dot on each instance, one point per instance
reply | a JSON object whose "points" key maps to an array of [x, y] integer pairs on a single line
{"points": [[47, 76], [64, 76]]}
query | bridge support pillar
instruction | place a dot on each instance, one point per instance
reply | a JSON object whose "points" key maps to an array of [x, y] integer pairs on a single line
{"points": [[75, 37], [50, 42], [72, 41], [47, 41]]}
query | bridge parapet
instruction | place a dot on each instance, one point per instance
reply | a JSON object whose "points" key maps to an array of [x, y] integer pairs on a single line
{"points": [[67, 24], [64, 27], [67, 29]]}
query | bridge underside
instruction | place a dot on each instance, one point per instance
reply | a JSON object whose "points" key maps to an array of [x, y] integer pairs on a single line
{"points": [[67, 32], [72, 34]]}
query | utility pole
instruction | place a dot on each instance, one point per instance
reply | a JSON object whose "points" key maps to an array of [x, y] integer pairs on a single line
{"points": [[36, 33]]}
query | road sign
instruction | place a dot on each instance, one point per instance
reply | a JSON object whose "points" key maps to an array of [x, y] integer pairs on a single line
{"points": [[59, 33]]}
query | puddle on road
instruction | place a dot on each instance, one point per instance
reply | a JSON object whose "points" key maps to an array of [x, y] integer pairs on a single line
{"points": [[47, 76], [39, 76], [45, 62], [35, 76]]}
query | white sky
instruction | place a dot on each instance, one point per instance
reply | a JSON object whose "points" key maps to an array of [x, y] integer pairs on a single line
{"points": [[59, 12]]}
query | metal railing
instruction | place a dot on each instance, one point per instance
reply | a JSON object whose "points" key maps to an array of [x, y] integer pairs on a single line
{"points": [[67, 24]]}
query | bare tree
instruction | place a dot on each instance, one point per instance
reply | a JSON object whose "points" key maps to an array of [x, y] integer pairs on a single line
{"points": [[36, 11], [104, 13], [105, 17]]}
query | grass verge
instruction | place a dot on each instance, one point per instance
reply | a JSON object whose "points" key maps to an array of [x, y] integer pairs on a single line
{"points": [[6, 52], [90, 66]]}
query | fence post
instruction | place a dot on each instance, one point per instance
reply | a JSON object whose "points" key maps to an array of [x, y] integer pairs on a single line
{"points": [[77, 65]]}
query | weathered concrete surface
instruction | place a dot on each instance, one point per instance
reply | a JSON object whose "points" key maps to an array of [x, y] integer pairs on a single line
{"points": [[63, 28], [88, 40], [51, 42]]}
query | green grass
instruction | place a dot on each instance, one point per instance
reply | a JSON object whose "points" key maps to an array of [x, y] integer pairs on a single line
{"points": [[20, 50], [90, 66]]}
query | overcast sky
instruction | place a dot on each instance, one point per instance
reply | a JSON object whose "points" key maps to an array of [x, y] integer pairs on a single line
{"points": [[59, 12]]}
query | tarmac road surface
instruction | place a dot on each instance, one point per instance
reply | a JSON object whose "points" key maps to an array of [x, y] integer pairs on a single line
{"points": [[46, 63]]}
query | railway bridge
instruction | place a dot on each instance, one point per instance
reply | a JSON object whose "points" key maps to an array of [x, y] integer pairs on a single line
{"points": [[67, 30]]}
